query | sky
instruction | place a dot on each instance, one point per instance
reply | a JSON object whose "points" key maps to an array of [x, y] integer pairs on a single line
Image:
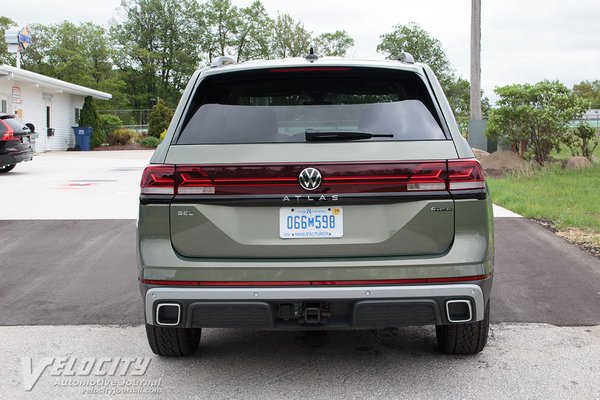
{"points": [[522, 40]]}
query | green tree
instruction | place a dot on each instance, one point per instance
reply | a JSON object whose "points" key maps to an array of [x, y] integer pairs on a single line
{"points": [[413, 39], [219, 23], [89, 114], [536, 116], [159, 118], [589, 90], [80, 54], [89, 118], [254, 33], [156, 49], [5, 56], [333, 44], [290, 38]]}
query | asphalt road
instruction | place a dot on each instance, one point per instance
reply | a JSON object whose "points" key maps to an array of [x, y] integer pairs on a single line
{"points": [[84, 272]]}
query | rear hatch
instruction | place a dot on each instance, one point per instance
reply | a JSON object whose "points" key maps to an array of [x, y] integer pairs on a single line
{"points": [[14, 134], [282, 164]]}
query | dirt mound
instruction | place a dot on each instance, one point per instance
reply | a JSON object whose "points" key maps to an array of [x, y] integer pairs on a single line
{"points": [[579, 163], [480, 153], [502, 161]]}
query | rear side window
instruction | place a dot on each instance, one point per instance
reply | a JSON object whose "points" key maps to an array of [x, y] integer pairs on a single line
{"points": [[280, 105]]}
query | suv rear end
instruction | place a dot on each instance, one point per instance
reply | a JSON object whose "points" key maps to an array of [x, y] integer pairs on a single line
{"points": [[300, 195], [15, 142]]}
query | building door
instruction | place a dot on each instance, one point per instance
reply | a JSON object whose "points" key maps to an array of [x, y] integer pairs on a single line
{"points": [[48, 125]]}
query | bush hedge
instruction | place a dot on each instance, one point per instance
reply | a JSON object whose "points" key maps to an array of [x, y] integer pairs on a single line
{"points": [[150, 141], [120, 137]]}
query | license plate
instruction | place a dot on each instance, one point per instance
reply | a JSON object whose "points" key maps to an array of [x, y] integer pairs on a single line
{"points": [[311, 222]]}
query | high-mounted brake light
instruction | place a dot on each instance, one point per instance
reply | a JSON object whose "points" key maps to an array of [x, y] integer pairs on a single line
{"points": [[465, 175], [158, 179], [310, 69]]}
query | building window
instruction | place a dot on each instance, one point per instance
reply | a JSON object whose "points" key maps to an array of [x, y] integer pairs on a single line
{"points": [[3, 106], [76, 115]]}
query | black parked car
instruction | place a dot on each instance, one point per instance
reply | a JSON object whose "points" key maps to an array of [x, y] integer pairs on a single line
{"points": [[15, 142]]}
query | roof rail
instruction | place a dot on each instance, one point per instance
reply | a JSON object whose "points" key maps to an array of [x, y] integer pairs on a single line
{"points": [[406, 58], [222, 60]]}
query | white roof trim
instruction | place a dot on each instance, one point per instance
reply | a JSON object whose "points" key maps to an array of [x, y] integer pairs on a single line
{"points": [[21, 75]]}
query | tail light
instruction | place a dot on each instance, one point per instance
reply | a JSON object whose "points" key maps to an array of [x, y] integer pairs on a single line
{"points": [[158, 179], [337, 178], [465, 175], [9, 134], [194, 180]]}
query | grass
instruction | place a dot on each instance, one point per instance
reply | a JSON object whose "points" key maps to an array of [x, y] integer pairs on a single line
{"points": [[566, 198]]}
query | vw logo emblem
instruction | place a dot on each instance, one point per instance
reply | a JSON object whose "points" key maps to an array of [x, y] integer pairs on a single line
{"points": [[310, 178]]}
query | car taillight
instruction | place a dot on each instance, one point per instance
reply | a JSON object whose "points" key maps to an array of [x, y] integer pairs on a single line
{"points": [[194, 180], [353, 178], [465, 175], [9, 134], [429, 176], [158, 179]]}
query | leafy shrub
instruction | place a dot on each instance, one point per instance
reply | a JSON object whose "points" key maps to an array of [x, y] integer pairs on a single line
{"points": [[137, 136], [162, 135], [159, 118], [582, 140], [98, 137], [535, 117], [106, 124], [119, 137], [150, 141]]}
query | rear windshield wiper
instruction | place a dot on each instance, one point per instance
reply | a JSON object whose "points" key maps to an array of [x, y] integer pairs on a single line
{"points": [[313, 135]]}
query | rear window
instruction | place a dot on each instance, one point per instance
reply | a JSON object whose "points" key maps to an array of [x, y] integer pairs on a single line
{"points": [[15, 124], [281, 105]]}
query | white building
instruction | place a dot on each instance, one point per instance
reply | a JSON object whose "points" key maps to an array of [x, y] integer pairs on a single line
{"points": [[51, 105]]}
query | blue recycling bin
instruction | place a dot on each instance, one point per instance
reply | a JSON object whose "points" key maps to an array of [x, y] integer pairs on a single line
{"points": [[83, 137]]}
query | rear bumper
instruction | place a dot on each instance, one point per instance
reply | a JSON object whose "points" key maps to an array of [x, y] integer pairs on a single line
{"points": [[357, 307], [15, 157]]}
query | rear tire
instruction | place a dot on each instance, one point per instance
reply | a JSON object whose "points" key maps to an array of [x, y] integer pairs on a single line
{"points": [[7, 168], [173, 342], [468, 338]]}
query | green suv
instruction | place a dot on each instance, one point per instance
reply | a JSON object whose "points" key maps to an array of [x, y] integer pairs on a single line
{"points": [[311, 194]]}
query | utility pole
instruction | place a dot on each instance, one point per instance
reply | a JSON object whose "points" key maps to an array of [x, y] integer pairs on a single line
{"points": [[476, 60]]}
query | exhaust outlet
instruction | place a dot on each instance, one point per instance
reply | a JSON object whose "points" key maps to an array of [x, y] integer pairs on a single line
{"points": [[168, 314], [459, 311]]}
